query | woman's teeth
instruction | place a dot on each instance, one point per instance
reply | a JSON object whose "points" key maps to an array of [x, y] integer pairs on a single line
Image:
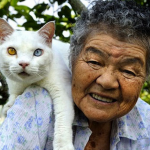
{"points": [[99, 98]]}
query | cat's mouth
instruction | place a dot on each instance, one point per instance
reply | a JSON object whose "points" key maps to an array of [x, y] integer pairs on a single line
{"points": [[23, 74]]}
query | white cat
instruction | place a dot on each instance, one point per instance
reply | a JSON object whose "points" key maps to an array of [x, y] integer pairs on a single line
{"points": [[26, 57]]}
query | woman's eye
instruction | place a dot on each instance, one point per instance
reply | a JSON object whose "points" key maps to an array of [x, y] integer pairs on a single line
{"points": [[129, 73], [38, 52], [94, 64], [11, 51]]}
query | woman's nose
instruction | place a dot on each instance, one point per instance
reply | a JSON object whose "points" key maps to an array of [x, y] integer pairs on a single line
{"points": [[108, 80]]}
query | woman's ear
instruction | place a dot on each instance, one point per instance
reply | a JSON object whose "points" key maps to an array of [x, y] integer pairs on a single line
{"points": [[5, 30], [47, 31]]}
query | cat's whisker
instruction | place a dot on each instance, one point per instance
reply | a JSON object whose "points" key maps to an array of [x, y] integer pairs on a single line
{"points": [[9, 75], [42, 71], [4, 68], [35, 71], [15, 70], [32, 72], [39, 75], [5, 63]]}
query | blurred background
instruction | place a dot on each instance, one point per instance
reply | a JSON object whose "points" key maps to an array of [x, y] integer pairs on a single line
{"points": [[33, 14]]}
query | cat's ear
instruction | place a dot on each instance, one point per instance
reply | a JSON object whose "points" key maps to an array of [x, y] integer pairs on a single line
{"points": [[5, 30], [47, 31]]}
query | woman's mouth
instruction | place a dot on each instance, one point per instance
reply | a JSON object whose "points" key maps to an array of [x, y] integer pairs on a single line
{"points": [[102, 99]]}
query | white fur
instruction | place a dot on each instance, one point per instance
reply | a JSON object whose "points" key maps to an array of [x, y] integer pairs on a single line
{"points": [[48, 70]]}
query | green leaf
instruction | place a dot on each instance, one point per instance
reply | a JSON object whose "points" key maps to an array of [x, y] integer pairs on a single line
{"points": [[13, 2], [60, 1], [39, 8], [49, 18], [3, 3], [22, 8], [31, 25], [66, 11]]}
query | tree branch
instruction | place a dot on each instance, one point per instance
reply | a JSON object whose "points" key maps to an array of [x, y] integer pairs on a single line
{"points": [[77, 5]]}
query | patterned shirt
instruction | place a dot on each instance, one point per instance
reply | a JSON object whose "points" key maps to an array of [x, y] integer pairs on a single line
{"points": [[30, 125]]}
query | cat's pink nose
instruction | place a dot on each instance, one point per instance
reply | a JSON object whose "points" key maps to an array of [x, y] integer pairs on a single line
{"points": [[24, 65]]}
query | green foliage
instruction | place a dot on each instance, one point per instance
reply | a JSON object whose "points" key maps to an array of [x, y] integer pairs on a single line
{"points": [[143, 2], [145, 92], [63, 17]]}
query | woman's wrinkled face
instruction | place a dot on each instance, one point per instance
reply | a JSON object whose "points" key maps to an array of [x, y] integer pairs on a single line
{"points": [[107, 77]]}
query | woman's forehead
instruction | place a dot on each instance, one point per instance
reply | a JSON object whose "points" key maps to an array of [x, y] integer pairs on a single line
{"points": [[107, 46]]}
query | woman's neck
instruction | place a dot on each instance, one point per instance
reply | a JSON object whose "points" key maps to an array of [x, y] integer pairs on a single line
{"points": [[100, 137], [101, 128]]}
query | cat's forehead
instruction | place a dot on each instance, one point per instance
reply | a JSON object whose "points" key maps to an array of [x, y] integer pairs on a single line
{"points": [[25, 37], [23, 40]]}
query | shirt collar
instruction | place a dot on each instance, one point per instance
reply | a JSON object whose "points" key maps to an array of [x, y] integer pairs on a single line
{"points": [[80, 119], [131, 126]]}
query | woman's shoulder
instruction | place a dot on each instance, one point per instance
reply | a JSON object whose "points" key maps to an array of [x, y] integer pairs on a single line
{"points": [[143, 109], [142, 105], [31, 116]]}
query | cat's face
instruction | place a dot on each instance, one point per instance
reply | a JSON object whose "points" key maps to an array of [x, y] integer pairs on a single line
{"points": [[26, 56]]}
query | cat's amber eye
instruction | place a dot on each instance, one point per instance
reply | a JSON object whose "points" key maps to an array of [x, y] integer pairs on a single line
{"points": [[11, 51]]}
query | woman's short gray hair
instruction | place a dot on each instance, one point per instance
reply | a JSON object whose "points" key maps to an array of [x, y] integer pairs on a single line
{"points": [[124, 20]]}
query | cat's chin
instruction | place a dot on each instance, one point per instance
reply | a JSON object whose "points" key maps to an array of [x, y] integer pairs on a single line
{"points": [[23, 75], [27, 78]]}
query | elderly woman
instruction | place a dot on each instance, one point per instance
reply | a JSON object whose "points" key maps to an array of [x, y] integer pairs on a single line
{"points": [[110, 60], [110, 57]]}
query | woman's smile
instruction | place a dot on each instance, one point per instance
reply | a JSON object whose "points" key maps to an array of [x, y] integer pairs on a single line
{"points": [[102, 99]]}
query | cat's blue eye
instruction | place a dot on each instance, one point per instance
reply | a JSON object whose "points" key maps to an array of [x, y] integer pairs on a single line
{"points": [[38, 52]]}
